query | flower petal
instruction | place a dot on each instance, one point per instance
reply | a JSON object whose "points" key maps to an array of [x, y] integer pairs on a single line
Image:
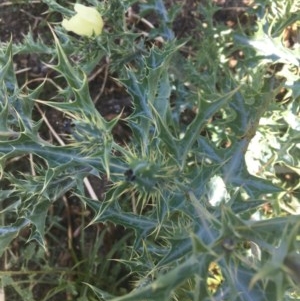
{"points": [[86, 22]]}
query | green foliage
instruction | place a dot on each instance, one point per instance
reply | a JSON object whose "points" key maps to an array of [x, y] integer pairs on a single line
{"points": [[191, 195]]}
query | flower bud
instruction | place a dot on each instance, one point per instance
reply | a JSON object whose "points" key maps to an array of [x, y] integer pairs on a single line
{"points": [[86, 22]]}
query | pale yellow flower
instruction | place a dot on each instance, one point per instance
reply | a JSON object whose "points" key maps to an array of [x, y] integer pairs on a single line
{"points": [[86, 22]]}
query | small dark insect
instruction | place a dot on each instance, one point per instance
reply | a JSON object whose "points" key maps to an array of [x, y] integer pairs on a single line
{"points": [[68, 126], [129, 174]]}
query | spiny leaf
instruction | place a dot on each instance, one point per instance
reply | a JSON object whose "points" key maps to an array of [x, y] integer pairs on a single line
{"points": [[37, 217], [7, 74], [142, 225], [55, 156], [161, 289], [8, 233], [206, 112]]}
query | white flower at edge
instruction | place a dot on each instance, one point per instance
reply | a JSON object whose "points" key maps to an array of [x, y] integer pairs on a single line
{"points": [[86, 22], [217, 191]]}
